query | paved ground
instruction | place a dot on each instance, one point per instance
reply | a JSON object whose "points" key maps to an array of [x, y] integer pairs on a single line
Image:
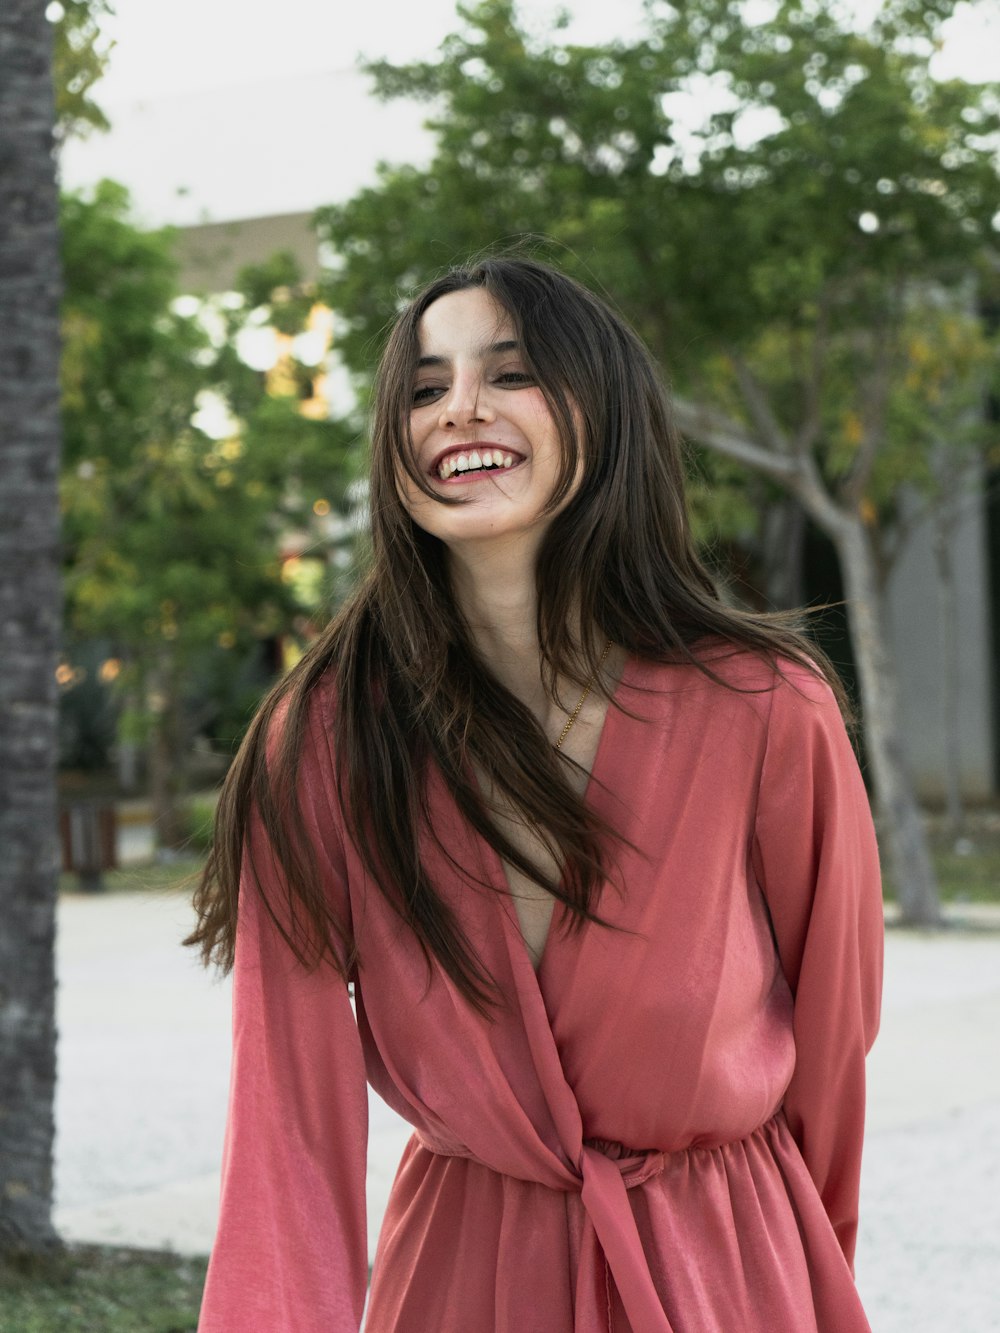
{"points": [[144, 1067]]}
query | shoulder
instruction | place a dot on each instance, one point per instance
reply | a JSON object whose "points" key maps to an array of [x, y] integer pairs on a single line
{"points": [[299, 735], [738, 700], [724, 669]]}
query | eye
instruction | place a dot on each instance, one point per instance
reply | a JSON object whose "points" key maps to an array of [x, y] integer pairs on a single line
{"points": [[515, 379], [425, 393]]}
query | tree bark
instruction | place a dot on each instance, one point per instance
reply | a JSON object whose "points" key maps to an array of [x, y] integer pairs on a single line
{"points": [[784, 553], [909, 857], [165, 762], [29, 622]]}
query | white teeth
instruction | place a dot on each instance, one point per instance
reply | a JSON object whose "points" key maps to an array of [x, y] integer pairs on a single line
{"points": [[476, 460]]}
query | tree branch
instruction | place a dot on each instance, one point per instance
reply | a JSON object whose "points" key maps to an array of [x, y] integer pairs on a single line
{"points": [[761, 412], [717, 432], [812, 417], [799, 475]]}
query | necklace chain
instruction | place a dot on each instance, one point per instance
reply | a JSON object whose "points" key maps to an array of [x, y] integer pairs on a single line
{"points": [[583, 697]]}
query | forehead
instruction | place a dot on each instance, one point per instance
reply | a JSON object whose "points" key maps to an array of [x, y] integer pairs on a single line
{"points": [[465, 323]]}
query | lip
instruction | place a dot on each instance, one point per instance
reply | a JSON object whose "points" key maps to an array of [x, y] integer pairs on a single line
{"points": [[466, 448]]}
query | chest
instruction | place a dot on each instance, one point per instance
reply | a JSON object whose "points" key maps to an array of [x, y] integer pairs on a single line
{"points": [[533, 904]]}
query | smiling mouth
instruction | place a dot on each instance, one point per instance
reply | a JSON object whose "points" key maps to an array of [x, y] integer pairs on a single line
{"points": [[475, 461]]}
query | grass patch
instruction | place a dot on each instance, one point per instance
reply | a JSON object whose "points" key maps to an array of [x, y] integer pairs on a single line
{"points": [[972, 876], [968, 872], [163, 877], [100, 1289]]}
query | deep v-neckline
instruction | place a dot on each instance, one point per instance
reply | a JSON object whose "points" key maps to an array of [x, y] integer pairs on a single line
{"points": [[497, 870]]}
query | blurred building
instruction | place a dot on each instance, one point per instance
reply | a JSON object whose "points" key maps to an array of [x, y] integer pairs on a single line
{"points": [[212, 253]]}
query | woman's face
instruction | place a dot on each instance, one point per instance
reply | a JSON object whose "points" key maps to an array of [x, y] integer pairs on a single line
{"points": [[482, 430]]}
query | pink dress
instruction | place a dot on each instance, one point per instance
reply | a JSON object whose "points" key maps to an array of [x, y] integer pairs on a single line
{"points": [[662, 1131]]}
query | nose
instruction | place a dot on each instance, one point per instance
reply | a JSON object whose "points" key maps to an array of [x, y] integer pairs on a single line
{"points": [[465, 403]]}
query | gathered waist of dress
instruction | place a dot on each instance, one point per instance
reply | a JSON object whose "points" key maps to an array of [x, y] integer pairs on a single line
{"points": [[636, 1165]]}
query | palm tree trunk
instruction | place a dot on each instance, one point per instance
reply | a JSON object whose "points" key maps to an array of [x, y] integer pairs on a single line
{"points": [[29, 623]]}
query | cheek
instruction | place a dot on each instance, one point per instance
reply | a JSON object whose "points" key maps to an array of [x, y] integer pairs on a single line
{"points": [[552, 448], [406, 488], [409, 494], [411, 497], [544, 424]]}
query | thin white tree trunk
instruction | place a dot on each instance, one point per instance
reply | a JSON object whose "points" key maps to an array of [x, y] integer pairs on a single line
{"points": [[909, 857], [784, 553]]}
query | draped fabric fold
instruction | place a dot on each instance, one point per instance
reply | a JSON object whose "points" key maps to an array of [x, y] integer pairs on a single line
{"points": [[603, 1183], [605, 1198]]}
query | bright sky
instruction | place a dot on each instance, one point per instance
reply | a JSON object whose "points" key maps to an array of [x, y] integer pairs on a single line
{"points": [[227, 109], [175, 46]]}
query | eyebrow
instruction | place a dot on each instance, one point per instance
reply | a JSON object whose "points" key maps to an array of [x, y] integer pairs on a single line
{"points": [[491, 349]]}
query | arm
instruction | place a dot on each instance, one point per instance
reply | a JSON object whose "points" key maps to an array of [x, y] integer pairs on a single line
{"points": [[291, 1253], [817, 862]]}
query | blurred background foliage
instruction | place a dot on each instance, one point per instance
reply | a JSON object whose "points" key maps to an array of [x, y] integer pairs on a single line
{"points": [[194, 487]]}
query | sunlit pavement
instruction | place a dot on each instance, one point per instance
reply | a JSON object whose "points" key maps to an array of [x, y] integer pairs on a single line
{"points": [[144, 1055]]}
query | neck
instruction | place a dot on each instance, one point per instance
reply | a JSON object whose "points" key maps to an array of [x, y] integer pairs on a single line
{"points": [[495, 591], [494, 586]]}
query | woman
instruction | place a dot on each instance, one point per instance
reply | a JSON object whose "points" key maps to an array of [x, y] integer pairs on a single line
{"points": [[593, 849]]}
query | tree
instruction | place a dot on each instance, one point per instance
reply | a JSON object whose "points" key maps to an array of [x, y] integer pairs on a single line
{"points": [[29, 623], [173, 534], [79, 59], [775, 204]]}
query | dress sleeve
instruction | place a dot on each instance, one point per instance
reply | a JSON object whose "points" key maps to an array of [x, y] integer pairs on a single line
{"points": [[817, 861], [291, 1252]]}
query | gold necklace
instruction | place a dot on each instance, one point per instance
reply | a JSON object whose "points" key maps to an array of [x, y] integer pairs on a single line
{"points": [[583, 697]]}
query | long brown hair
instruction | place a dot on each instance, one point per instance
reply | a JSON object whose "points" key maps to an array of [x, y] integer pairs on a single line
{"points": [[411, 692]]}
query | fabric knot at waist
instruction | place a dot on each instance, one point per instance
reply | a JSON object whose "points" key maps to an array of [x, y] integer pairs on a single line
{"points": [[605, 1171], [634, 1165]]}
